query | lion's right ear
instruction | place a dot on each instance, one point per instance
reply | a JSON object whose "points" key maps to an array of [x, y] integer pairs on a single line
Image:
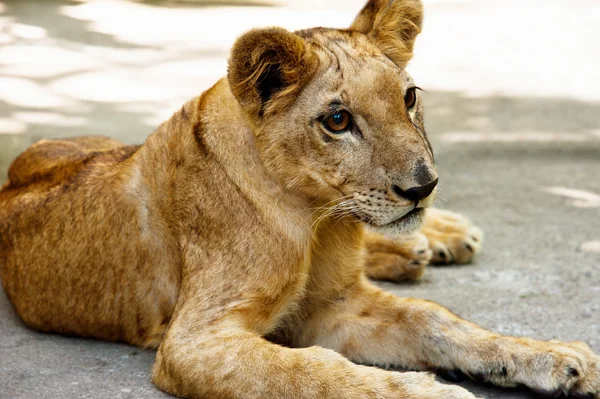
{"points": [[267, 68]]}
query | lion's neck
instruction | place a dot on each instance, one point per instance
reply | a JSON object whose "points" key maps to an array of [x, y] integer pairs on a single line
{"points": [[217, 130]]}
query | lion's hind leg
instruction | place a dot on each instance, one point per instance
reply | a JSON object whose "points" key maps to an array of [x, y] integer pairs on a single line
{"points": [[53, 161]]}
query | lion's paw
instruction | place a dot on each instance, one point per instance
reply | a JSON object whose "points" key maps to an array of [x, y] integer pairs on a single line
{"points": [[453, 238], [416, 249], [404, 258], [448, 392], [556, 369], [423, 385], [576, 370]]}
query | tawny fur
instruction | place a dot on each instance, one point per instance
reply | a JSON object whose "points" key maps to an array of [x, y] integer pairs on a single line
{"points": [[233, 238]]}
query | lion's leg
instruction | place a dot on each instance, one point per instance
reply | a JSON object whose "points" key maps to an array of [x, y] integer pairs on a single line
{"points": [[396, 260], [225, 359], [372, 326]]}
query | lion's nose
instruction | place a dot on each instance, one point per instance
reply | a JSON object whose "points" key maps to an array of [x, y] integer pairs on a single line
{"points": [[416, 194]]}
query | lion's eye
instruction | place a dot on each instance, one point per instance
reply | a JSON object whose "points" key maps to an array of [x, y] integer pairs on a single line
{"points": [[338, 122], [410, 98]]}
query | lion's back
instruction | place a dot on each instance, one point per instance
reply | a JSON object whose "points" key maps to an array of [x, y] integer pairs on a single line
{"points": [[54, 161]]}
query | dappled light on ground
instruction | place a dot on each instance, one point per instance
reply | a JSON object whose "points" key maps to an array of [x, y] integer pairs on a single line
{"points": [[145, 57], [474, 137], [196, 27], [11, 126], [579, 198], [591, 246], [48, 118]]}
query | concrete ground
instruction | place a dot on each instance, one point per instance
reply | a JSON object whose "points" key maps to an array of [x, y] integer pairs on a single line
{"points": [[513, 112]]}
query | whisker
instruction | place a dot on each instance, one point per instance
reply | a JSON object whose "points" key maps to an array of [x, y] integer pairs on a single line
{"points": [[335, 210], [325, 208]]}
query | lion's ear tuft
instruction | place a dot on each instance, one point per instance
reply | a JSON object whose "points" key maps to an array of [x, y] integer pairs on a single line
{"points": [[392, 25], [268, 67]]}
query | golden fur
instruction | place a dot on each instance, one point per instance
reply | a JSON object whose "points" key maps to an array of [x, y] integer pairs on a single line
{"points": [[230, 239]]}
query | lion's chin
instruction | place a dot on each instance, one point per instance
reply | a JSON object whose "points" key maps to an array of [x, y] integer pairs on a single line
{"points": [[407, 224]]}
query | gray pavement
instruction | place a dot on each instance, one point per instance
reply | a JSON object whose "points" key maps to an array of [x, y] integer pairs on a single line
{"points": [[516, 133]]}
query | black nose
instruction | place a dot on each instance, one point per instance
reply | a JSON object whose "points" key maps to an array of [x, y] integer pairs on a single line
{"points": [[416, 194]]}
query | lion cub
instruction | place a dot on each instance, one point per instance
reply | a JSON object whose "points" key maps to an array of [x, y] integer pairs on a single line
{"points": [[237, 221]]}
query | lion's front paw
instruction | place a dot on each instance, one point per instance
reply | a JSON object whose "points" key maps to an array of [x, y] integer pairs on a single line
{"points": [[453, 238], [423, 385], [439, 390], [446, 392], [580, 368], [415, 248], [569, 369], [396, 260]]}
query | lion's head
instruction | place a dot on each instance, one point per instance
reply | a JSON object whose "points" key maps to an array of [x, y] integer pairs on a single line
{"points": [[336, 116]]}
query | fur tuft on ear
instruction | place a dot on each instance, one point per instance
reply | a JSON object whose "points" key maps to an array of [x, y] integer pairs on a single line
{"points": [[267, 67], [392, 25]]}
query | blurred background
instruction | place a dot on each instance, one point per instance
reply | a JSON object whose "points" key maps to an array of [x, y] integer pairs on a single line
{"points": [[512, 108]]}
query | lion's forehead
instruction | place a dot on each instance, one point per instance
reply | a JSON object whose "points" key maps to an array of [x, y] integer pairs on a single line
{"points": [[354, 68]]}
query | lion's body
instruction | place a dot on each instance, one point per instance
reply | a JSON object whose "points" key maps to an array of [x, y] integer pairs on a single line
{"points": [[94, 246], [218, 232]]}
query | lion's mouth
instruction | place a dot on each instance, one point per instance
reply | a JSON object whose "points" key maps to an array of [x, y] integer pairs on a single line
{"points": [[408, 217]]}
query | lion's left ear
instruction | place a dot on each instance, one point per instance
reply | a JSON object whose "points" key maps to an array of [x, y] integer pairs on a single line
{"points": [[267, 68], [392, 25]]}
